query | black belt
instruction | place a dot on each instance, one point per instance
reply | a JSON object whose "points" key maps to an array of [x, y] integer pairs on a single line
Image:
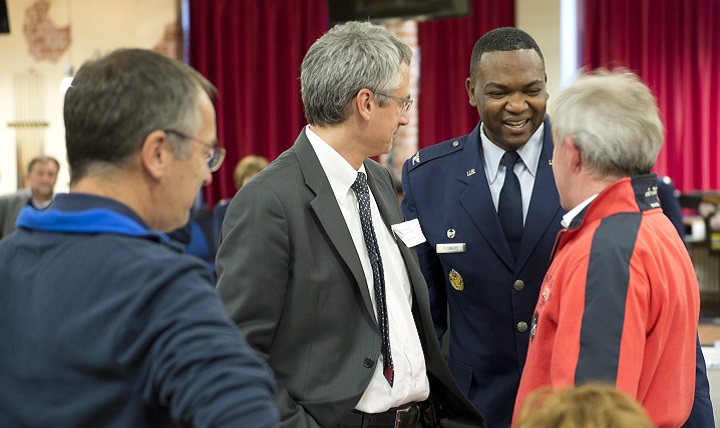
{"points": [[407, 416]]}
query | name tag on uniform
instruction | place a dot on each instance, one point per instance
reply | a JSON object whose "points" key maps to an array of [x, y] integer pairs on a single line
{"points": [[450, 248]]}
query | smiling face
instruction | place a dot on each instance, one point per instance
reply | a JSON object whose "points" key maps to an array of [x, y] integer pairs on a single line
{"points": [[510, 96]]}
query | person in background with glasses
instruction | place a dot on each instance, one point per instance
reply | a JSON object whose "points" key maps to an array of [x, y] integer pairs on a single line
{"points": [[309, 269], [106, 322]]}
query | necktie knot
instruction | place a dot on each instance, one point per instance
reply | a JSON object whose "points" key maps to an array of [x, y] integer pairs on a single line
{"points": [[509, 160], [360, 185]]}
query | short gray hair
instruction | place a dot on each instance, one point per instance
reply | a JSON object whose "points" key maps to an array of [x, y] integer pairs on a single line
{"points": [[346, 59], [117, 100], [614, 121]]}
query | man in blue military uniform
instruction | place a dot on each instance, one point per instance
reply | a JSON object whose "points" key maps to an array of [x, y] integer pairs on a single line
{"points": [[453, 188], [488, 206]]}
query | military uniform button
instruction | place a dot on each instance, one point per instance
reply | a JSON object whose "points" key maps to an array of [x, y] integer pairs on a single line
{"points": [[518, 285], [369, 362], [455, 143], [522, 326]]}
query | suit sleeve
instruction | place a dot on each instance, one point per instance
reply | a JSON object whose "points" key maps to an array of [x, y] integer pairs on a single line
{"points": [[429, 261], [253, 268]]}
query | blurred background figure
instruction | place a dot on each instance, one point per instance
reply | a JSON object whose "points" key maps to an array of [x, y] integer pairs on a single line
{"points": [[246, 169], [41, 178], [592, 405], [201, 235]]}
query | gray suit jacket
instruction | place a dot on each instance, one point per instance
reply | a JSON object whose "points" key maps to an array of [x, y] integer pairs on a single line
{"points": [[10, 206], [292, 281]]}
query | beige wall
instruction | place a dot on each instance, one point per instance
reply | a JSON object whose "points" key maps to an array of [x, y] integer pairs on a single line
{"points": [[541, 19], [97, 27]]}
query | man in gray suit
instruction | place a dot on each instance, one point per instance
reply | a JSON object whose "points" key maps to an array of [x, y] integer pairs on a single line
{"points": [[41, 177], [310, 270]]}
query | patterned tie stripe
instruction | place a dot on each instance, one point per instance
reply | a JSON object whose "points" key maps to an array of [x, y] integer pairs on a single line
{"points": [[362, 192]]}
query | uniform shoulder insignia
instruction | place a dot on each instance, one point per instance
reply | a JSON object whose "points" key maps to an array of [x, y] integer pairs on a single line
{"points": [[416, 158], [436, 151]]}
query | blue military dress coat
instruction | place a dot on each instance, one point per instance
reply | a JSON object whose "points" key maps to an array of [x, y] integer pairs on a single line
{"points": [[490, 295]]}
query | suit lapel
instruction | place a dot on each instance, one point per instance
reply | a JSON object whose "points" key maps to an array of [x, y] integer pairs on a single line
{"points": [[325, 207], [545, 202], [477, 201]]}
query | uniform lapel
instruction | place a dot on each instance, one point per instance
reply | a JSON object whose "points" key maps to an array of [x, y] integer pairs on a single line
{"points": [[545, 202], [477, 201]]}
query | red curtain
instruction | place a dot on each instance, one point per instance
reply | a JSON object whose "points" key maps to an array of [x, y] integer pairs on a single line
{"points": [[252, 51], [674, 46], [445, 48]]}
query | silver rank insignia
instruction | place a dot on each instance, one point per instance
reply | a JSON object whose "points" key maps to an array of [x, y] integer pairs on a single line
{"points": [[416, 158], [451, 233], [456, 280]]}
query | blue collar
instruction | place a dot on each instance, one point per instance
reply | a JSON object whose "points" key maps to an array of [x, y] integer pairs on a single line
{"points": [[87, 214]]}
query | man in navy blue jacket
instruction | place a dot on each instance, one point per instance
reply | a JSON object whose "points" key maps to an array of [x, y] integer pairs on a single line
{"points": [[104, 322]]}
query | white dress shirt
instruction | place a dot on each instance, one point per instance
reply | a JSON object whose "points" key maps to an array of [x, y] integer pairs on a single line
{"points": [[525, 170], [411, 382]]}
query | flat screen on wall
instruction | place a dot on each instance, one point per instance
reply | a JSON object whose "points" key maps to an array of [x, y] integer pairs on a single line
{"points": [[378, 10], [4, 22]]}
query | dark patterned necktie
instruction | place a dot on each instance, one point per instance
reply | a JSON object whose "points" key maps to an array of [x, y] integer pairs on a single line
{"points": [[362, 192], [510, 203]]}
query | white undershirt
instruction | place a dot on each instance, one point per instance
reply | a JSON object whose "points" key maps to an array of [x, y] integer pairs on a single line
{"points": [[411, 382]]}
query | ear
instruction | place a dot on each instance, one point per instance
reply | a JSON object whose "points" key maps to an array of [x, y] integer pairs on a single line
{"points": [[470, 88], [574, 155], [156, 154], [365, 103]]}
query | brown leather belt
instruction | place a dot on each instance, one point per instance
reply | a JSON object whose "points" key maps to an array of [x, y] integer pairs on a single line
{"points": [[407, 416]]}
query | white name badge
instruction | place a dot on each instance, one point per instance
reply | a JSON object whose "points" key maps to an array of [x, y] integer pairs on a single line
{"points": [[410, 232], [450, 248]]}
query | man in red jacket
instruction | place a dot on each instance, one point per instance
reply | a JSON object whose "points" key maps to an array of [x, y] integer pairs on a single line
{"points": [[620, 302]]}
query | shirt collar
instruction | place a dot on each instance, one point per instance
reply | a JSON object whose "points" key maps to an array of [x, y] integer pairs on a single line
{"points": [[529, 153], [41, 205], [339, 172], [570, 215]]}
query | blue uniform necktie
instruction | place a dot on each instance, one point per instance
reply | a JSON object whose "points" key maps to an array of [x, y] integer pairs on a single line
{"points": [[360, 186], [510, 203]]}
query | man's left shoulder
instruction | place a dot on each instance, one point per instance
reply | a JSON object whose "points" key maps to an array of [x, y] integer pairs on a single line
{"points": [[440, 153], [12, 197]]}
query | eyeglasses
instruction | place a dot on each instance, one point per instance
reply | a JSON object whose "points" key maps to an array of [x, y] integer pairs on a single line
{"points": [[406, 102], [214, 157]]}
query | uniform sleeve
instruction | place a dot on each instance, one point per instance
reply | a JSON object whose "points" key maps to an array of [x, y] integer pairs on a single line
{"points": [[253, 273], [429, 261]]}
